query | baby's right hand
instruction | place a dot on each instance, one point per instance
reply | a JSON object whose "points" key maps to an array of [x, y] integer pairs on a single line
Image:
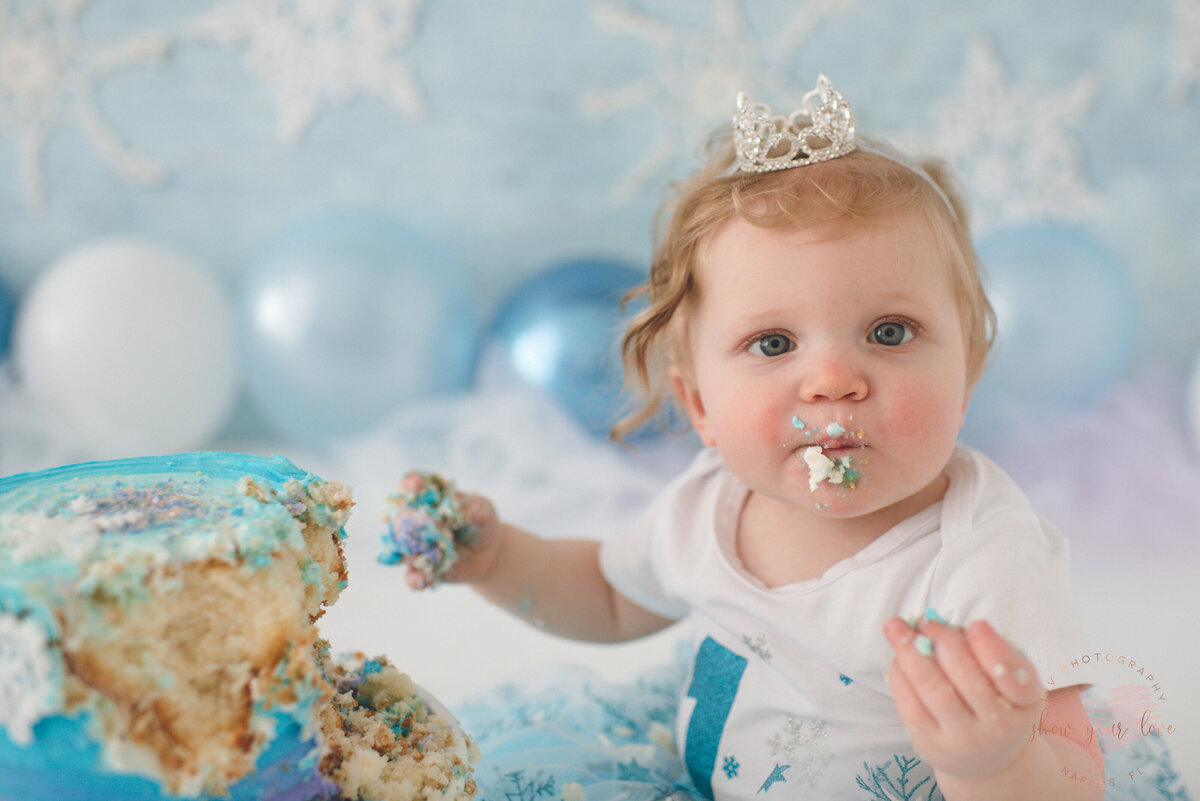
{"points": [[477, 553], [475, 550], [439, 533]]}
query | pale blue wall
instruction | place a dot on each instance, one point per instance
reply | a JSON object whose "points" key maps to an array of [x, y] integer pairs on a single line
{"points": [[522, 151]]}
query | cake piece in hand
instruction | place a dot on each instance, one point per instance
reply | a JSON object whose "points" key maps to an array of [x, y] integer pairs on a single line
{"points": [[426, 520]]}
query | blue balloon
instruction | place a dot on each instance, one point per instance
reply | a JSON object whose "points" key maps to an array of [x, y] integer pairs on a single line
{"points": [[7, 309], [1067, 326], [348, 316], [560, 332]]}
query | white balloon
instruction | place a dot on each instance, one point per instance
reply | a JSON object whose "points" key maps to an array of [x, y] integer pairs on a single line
{"points": [[133, 344]]}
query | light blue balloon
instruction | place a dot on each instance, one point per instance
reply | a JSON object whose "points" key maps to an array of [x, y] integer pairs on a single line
{"points": [[348, 316], [560, 332], [7, 310], [1067, 326]]}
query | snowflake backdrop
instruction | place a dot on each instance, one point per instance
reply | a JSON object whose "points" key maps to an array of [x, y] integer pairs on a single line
{"points": [[521, 133]]}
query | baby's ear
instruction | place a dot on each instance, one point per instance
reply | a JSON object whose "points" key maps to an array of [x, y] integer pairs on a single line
{"points": [[688, 394]]}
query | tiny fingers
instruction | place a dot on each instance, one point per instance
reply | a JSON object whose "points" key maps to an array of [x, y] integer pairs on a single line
{"points": [[1010, 671], [417, 579], [908, 701], [476, 508], [922, 661]]}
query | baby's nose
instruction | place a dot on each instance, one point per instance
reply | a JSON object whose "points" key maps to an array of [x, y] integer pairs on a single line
{"points": [[833, 378]]}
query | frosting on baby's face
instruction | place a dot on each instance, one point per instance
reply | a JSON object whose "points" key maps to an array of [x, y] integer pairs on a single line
{"points": [[837, 469], [822, 468]]}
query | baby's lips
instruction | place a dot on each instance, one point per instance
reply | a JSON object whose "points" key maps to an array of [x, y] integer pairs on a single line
{"points": [[839, 443]]}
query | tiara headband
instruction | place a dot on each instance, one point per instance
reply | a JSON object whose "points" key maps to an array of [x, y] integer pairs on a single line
{"points": [[821, 130]]}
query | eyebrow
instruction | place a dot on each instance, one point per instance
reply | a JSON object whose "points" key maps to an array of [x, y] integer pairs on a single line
{"points": [[767, 313]]}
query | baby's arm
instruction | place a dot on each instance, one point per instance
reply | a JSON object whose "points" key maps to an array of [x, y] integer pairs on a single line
{"points": [[975, 710], [554, 584], [557, 585]]}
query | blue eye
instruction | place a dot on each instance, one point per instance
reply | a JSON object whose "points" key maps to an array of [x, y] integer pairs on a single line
{"points": [[772, 345], [891, 334]]}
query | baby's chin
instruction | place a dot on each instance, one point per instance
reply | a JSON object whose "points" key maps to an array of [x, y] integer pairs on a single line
{"points": [[868, 500], [828, 502], [838, 504]]}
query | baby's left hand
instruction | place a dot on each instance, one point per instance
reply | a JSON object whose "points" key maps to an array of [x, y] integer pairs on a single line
{"points": [[970, 705]]}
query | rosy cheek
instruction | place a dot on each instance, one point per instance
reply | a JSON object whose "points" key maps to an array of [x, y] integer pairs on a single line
{"points": [[908, 420], [768, 421], [755, 418], [917, 413]]}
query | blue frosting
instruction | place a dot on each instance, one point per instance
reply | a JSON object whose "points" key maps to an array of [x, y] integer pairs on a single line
{"points": [[66, 766], [232, 466]]}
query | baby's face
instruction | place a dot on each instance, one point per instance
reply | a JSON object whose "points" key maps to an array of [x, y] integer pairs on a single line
{"points": [[852, 343]]}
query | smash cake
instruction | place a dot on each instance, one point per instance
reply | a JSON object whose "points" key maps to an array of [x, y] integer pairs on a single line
{"points": [[158, 640]]}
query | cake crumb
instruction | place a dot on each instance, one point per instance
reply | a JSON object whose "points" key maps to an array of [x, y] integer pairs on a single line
{"points": [[822, 468]]}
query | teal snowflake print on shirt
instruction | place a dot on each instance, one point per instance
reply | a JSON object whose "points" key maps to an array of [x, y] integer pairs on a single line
{"points": [[731, 767], [778, 775], [884, 787]]}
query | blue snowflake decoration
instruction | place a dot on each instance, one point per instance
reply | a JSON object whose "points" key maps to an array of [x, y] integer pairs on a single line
{"points": [[775, 777], [731, 767], [845, 679], [633, 772]]}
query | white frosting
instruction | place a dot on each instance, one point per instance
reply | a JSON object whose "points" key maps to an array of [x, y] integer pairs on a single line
{"points": [[82, 506], [125, 756], [26, 688], [32, 537], [119, 521], [822, 468]]}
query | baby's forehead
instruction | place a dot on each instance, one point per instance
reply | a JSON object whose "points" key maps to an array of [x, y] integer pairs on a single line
{"points": [[737, 229], [736, 249]]}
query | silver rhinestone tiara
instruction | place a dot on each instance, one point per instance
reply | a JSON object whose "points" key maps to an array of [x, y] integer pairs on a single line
{"points": [[821, 130]]}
